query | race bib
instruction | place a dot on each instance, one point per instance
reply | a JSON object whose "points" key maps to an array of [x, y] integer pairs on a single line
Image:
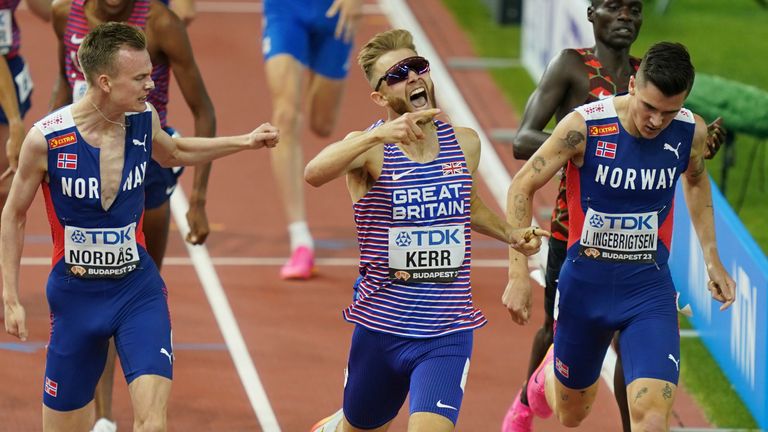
{"points": [[23, 83], [92, 253], [6, 30], [426, 254], [78, 90], [620, 237]]}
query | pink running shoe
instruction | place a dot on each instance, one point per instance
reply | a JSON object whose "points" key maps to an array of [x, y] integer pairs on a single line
{"points": [[328, 424], [300, 266], [537, 399], [519, 417]]}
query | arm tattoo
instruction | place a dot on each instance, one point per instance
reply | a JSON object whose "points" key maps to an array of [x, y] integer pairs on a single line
{"points": [[640, 393], [519, 200], [667, 392], [573, 139], [538, 163], [698, 167]]}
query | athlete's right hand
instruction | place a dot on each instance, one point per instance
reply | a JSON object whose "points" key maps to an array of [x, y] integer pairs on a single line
{"points": [[15, 320], [405, 129], [265, 135], [517, 298]]}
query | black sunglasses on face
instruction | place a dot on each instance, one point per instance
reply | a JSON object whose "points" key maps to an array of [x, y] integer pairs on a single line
{"points": [[399, 72]]}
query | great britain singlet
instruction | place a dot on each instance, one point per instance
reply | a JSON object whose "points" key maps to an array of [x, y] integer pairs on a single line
{"points": [[415, 245], [91, 243], [621, 199], [10, 37], [74, 33], [601, 85]]}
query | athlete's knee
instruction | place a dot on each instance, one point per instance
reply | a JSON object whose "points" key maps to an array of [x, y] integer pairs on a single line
{"points": [[649, 420], [286, 115], [571, 416], [153, 422], [321, 125]]}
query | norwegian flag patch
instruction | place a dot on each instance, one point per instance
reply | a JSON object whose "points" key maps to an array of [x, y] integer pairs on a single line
{"points": [[51, 387], [451, 168], [562, 368], [606, 150], [66, 161]]}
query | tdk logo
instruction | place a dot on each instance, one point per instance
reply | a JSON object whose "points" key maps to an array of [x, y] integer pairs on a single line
{"points": [[403, 239], [106, 237], [624, 222], [439, 237], [596, 221]]}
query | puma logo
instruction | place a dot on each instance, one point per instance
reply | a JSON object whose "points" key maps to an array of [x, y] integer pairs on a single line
{"points": [[141, 143], [673, 149], [676, 362], [167, 354]]}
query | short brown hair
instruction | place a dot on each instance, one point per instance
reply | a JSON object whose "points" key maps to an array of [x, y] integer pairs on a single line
{"points": [[97, 52], [381, 44]]}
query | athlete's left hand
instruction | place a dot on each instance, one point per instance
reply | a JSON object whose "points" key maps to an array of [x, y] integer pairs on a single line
{"points": [[715, 137], [198, 224], [720, 285], [265, 135], [349, 12], [527, 241]]}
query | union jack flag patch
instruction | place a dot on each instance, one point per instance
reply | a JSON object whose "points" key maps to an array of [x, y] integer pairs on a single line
{"points": [[606, 150], [51, 387], [66, 161], [451, 168]]}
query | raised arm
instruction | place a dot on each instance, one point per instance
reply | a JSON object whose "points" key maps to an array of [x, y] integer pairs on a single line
{"points": [[348, 154], [31, 171], [543, 104], [566, 143], [698, 196], [170, 152], [174, 42]]}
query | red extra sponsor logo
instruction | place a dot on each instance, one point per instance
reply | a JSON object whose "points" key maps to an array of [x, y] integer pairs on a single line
{"points": [[606, 149], [562, 368], [66, 161], [603, 130], [62, 141], [51, 387]]}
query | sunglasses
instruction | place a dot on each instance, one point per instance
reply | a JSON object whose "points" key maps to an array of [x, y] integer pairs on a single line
{"points": [[399, 72]]}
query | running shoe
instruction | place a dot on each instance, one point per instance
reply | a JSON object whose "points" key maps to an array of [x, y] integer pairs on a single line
{"points": [[300, 266], [104, 425], [537, 399], [329, 423], [519, 417]]}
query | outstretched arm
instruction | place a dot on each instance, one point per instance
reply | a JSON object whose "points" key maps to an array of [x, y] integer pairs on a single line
{"points": [[698, 196], [348, 154], [31, 171], [566, 143], [484, 220], [170, 152]]}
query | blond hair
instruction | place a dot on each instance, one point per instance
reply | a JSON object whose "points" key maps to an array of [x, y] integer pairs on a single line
{"points": [[381, 44], [99, 48]]}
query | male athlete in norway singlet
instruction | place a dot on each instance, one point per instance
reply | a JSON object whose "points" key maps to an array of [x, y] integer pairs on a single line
{"points": [[103, 282]]}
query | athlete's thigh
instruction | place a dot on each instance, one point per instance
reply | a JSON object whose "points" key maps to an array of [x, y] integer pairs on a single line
{"points": [[555, 258], [440, 375], [650, 342], [286, 34], [149, 393], [377, 380], [143, 334], [80, 419], [583, 331], [325, 95], [77, 348]]}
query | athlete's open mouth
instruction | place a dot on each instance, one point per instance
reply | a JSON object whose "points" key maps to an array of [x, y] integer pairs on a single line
{"points": [[419, 97]]}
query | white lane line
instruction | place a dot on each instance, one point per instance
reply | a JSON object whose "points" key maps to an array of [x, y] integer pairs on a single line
{"points": [[491, 169], [225, 318]]}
